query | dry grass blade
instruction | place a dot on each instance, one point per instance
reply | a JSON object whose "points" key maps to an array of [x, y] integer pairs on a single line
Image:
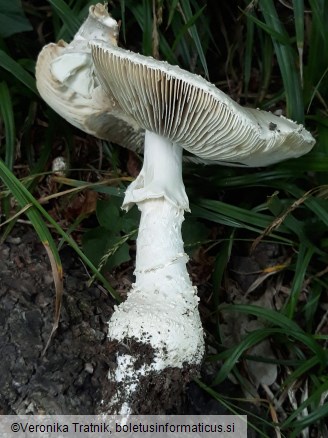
{"points": [[57, 273], [280, 219], [15, 216]]}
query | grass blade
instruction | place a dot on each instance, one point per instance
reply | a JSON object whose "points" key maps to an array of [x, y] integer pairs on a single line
{"points": [[172, 5], [248, 52], [239, 217], [256, 337], [303, 259], [276, 318], [236, 352], [298, 6], [16, 70], [71, 21], [12, 19], [319, 412], [7, 114], [285, 58], [284, 324], [189, 19]]}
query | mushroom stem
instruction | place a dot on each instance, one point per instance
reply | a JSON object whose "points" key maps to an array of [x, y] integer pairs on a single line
{"points": [[159, 322], [160, 176]]}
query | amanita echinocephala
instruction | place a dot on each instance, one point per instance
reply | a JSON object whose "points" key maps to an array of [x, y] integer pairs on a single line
{"points": [[124, 97]]}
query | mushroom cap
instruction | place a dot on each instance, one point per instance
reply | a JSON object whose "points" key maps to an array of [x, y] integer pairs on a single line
{"points": [[191, 112], [94, 113], [66, 80]]}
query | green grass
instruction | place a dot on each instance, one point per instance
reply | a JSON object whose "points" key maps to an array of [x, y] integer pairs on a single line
{"points": [[275, 58]]}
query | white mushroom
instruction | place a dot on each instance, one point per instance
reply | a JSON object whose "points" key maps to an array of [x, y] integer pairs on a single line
{"points": [[158, 328], [178, 110]]}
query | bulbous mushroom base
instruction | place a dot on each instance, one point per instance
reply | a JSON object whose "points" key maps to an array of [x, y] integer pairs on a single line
{"points": [[158, 328]]}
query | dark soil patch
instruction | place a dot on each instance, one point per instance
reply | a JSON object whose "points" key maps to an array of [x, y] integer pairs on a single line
{"points": [[69, 378], [169, 387]]}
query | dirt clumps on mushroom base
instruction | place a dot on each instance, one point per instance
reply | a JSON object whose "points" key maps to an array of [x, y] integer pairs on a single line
{"points": [[158, 393]]}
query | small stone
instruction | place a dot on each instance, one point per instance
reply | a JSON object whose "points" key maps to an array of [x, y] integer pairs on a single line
{"points": [[88, 367], [14, 240], [48, 278]]}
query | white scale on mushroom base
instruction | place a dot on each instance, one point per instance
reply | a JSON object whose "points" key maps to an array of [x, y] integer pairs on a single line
{"points": [[126, 98]]}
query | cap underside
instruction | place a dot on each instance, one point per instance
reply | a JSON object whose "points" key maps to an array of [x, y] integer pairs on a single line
{"points": [[193, 113]]}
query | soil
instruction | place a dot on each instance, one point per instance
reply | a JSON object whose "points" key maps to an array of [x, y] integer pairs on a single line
{"points": [[69, 378]]}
